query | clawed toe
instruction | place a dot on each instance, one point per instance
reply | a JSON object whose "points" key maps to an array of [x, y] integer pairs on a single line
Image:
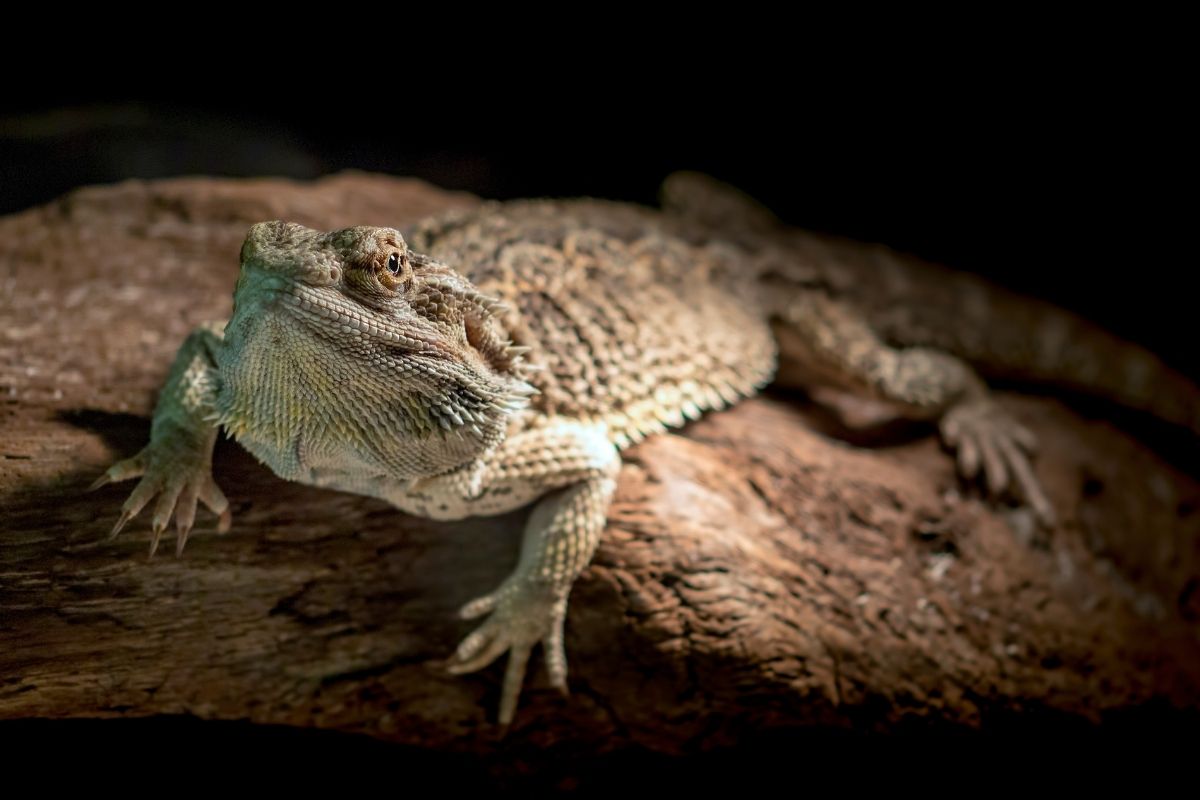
{"points": [[122, 521], [178, 489], [522, 616], [487, 652], [158, 529], [514, 676], [479, 606], [990, 442]]}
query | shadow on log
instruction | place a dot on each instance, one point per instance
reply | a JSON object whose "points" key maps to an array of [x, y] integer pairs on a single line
{"points": [[756, 575]]}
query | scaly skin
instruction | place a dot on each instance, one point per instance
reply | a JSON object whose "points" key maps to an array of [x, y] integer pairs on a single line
{"points": [[515, 349]]}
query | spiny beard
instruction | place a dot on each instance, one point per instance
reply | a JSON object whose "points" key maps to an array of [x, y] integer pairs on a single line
{"points": [[416, 397]]}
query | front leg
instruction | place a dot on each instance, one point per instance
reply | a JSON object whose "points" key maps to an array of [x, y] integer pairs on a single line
{"points": [[824, 341], [572, 467], [176, 466]]}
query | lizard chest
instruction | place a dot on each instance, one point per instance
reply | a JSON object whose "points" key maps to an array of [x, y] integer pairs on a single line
{"points": [[315, 458], [312, 413]]}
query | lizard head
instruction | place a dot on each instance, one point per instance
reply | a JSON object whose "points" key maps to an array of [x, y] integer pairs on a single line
{"points": [[352, 327]]}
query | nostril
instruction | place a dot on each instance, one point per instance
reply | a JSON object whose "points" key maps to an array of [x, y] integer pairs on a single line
{"points": [[334, 274]]}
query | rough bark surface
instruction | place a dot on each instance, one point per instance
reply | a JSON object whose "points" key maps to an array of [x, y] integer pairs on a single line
{"points": [[756, 574]]}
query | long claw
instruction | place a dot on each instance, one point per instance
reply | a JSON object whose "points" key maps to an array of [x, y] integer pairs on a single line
{"points": [[514, 676], [185, 508], [158, 530], [142, 494], [121, 522], [486, 656], [166, 505], [121, 471], [181, 539], [1028, 484]]}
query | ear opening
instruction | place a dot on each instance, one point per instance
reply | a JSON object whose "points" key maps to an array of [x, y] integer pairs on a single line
{"points": [[484, 340]]}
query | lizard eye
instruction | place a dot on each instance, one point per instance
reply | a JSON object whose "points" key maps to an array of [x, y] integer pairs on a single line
{"points": [[398, 273]]}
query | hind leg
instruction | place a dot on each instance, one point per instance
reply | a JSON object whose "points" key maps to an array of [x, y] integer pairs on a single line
{"points": [[825, 343]]}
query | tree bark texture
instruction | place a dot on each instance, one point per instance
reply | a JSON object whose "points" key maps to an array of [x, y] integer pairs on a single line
{"points": [[757, 572]]}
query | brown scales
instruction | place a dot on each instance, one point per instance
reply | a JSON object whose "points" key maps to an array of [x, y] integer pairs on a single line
{"points": [[625, 326]]}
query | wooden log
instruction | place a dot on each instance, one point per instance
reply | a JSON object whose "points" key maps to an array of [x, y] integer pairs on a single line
{"points": [[757, 573]]}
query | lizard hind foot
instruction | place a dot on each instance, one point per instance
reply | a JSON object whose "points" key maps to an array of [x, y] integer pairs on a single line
{"points": [[994, 447], [523, 612]]}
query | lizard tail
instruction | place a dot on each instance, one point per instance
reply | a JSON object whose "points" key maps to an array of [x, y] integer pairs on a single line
{"points": [[910, 302], [1064, 348], [1010, 336]]}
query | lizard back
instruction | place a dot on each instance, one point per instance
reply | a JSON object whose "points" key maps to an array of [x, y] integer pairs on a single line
{"points": [[627, 322]]}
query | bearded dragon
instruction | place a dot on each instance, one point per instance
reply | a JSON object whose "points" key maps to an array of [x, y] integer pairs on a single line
{"points": [[505, 355]]}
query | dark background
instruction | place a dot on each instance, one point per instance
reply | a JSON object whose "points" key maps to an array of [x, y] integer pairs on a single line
{"points": [[1067, 177], [1057, 158]]}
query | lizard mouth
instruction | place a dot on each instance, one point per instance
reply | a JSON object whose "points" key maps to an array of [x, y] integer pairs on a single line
{"points": [[330, 314]]}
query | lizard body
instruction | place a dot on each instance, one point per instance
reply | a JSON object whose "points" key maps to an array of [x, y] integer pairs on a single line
{"points": [[504, 355]]}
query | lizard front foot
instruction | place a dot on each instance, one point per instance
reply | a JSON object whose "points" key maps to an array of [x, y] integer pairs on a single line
{"points": [[987, 438], [179, 473], [524, 611]]}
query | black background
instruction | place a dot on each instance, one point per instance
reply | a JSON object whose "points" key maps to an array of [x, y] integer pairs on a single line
{"points": [[1060, 166], [1054, 156]]}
